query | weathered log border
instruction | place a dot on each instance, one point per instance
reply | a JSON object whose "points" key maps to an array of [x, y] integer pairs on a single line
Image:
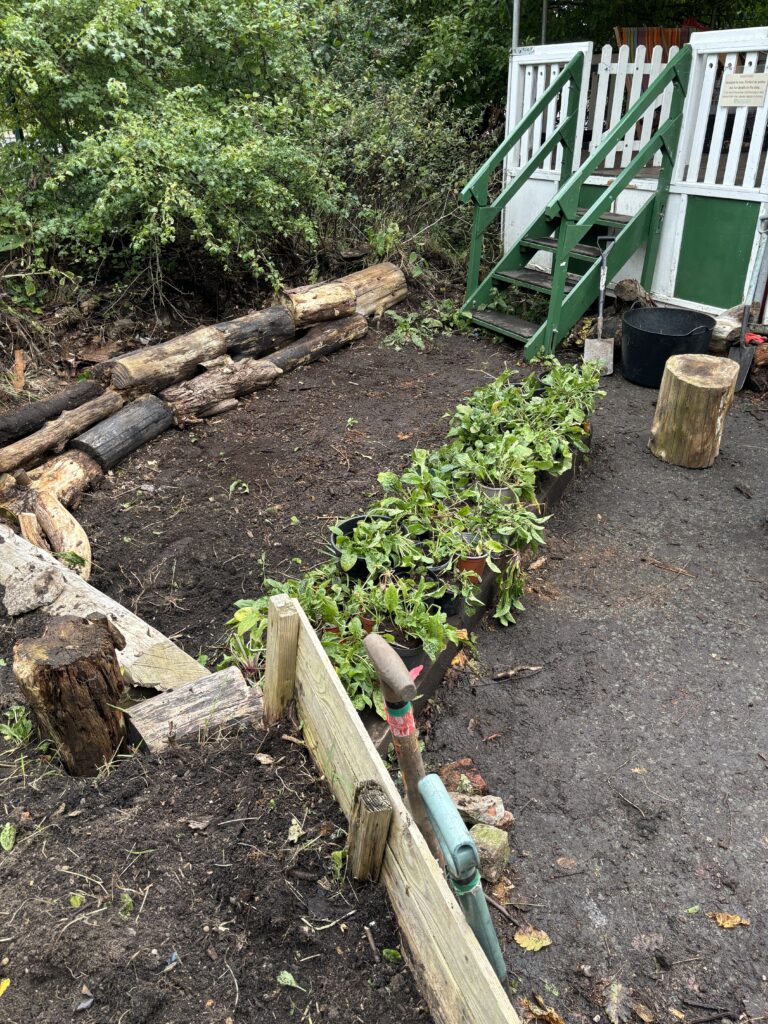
{"points": [[450, 969]]}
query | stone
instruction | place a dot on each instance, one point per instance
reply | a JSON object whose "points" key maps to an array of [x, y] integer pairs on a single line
{"points": [[462, 776], [493, 847], [482, 810]]}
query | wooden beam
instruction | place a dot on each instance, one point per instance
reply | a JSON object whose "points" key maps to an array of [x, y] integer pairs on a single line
{"points": [[282, 646], [196, 710], [34, 580], [368, 831], [450, 968]]}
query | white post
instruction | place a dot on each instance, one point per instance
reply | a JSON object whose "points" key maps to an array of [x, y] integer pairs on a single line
{"points": [[515, 24]]}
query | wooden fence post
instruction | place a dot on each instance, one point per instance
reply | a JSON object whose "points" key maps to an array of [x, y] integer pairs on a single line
{"points": [[282, 647], [368, 831]]}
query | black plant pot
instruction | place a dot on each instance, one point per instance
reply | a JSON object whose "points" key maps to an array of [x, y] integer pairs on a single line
{"points": [[359, 570]]}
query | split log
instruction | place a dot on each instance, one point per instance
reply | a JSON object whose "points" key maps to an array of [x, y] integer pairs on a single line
{"points": [[30, 530], [376, 288], [368, 831], [58, 431], [196, 711], [28, 418], [65, 535], [66, 476], [727, 329], [34, 580], [696, 393], [115, 438], [315, 303], [259, 333], [200, 396], [72, 680], [156, 366], [319, 341]]}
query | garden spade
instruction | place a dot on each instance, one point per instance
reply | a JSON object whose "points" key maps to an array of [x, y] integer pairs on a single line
{"points": [[600, 349]]}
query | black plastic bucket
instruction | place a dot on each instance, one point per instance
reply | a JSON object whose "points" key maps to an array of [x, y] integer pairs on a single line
{"points": [[649, 336]]}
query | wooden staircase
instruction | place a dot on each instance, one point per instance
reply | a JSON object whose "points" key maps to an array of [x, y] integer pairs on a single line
{"points": [[567, 229]]}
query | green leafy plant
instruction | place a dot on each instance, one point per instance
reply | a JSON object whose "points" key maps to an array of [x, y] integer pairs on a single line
{"points": [[17, 727]]}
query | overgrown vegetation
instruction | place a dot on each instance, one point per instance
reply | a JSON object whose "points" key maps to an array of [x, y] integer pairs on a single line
{"points": [[412, 560]]}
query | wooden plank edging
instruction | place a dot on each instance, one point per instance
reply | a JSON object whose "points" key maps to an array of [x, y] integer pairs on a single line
{"points": [[450, 968]]}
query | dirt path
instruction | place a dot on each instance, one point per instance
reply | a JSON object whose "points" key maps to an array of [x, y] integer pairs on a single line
{"points": [[638, 752]]}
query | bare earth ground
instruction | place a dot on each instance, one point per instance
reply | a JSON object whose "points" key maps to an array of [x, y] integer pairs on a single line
{"points": [[632, 759], [639, 752]]}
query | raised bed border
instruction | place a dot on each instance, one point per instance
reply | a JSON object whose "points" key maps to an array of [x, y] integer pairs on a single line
{"points": [[549, 493], [449, 967]]}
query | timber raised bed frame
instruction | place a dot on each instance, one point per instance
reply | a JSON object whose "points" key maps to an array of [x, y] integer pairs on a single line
{"points": [[451, 970]]}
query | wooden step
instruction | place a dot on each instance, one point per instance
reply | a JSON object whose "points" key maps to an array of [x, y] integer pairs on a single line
{"points": [[613, 219], [537, 280], [591, 252], [505, 323]]}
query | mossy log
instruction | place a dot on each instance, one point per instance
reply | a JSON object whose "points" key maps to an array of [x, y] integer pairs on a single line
{"points": [[73, 683], [694, 399]]}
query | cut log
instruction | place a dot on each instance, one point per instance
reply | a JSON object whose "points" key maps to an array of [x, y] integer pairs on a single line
{"points": [[59, 431], [377, 288], [200, 396], [196, 711], [34, 580], [368, 831], [696, 393], [66, 476], [259, 333], [115, 438], [156, 366], [72, 680], [28, 418], [67, 538], [30, 530], [319, 341], [726, 332], [315, 303], [630, 290]]}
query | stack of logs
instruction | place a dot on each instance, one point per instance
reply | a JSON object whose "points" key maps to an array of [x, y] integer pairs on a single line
{"points": [[139, 395]]}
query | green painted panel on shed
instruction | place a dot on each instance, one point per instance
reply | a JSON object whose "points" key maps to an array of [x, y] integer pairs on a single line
{"points": [[718, 235]]}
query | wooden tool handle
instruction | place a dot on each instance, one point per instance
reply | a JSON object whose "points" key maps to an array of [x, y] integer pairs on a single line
{"points": [[395, 679]]}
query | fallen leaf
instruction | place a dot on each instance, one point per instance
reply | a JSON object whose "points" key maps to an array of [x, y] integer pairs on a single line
{"points": [[295, 832], [199, 826], [493, 736], [8, 836], [265, 758], [502, 891], [4, 983], [460, 660], [566, 863], [537, 564], [617, 1006], [694, 909], [392, 956], [676, 1013], [286, 979], [541, 1011], [645, 1015], [531, 938], [405, 437], [727, 920], [639, 771]]}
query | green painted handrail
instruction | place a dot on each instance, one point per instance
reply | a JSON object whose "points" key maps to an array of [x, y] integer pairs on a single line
{"points": [[567, 198], [476, 189]]}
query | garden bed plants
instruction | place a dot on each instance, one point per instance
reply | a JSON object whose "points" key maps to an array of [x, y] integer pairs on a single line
{"points": [[412, 567]]}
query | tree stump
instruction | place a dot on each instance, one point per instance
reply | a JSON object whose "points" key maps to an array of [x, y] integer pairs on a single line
{"points": [[72, 680], [696, 393]]}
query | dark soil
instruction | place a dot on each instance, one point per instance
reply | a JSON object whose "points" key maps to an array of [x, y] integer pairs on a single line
{"points": [[635, 759], [172, 890], [179, 532], [193, 521]]}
